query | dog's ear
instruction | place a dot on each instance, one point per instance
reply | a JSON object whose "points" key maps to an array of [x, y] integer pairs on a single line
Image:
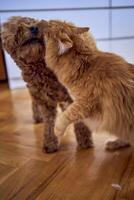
{"points": [[80, 30], [19, 29], [65, 43], [22, 26]]}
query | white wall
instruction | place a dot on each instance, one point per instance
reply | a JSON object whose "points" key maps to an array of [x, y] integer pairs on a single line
{"points": [[113, 28]]}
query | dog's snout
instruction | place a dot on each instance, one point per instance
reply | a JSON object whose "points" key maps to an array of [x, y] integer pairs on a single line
{"points": [[34, 30]]}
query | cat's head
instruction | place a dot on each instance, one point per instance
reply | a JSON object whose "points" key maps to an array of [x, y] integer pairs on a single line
{"points": [[62, 34]]}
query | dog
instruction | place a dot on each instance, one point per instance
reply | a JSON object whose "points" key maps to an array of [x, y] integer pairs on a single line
{"points": [[23, 39], [101, 83]]}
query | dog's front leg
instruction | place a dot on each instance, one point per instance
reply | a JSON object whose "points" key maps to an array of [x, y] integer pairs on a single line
{"points": [[49, 114], [37, 115]]}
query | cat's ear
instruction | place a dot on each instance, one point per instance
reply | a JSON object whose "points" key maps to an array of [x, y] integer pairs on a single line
{"points": [[80, 30], [65, 44], [43, 24]]}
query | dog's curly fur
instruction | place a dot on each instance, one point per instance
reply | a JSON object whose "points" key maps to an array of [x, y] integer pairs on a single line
{"points": [[27, 49], [101, 83]]}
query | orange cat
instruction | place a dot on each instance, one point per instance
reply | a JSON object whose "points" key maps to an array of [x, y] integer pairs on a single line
{"points": [[101, 84]]}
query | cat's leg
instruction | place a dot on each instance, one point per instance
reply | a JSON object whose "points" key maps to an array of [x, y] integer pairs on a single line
{"points": [[50, 140], [64, 103], [37, 115], [116, 144], [82, 132], [74, 113], [83, 135]]}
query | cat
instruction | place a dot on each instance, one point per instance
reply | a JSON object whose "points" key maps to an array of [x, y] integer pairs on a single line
{"points": [[101, 83]]}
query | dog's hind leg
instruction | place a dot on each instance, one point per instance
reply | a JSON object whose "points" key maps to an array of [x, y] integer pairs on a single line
{"points": [[49, 114]]}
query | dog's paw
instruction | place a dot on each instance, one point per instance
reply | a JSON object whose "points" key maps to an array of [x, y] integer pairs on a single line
{"points": [[86, 143], [117, 144], [51, 146], [37, 119]]}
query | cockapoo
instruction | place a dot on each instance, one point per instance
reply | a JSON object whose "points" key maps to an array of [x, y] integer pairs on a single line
{"points": [[23, 40]]}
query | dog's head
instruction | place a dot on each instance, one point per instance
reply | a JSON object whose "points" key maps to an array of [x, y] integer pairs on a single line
{"points": [[22, 38]]}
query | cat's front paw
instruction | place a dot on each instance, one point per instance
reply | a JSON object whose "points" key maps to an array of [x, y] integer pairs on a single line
{"points": [[60, 127], [59, 132]]}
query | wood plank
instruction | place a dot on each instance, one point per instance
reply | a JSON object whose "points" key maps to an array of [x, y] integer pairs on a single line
{"points": [[5, 171], [90, 176], [12, 156], [30, 179], [70, 174], [127, 181], [15, 154]]}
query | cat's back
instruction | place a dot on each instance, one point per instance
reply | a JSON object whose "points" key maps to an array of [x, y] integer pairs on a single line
{"points": [[110, 65]]}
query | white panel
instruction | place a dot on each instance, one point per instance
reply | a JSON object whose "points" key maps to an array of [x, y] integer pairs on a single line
{"points": [[97, 21], [40, 4], [16, 83], [123, 23], [124, 48], [12, 69], [14, 73], [103, 45], [122, 2]]}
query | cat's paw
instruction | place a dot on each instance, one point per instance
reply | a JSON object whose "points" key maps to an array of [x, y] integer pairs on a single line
{"points": [[117, 144], [60, 126]]}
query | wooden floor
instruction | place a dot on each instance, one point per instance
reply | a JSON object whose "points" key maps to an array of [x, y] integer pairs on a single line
{"points": [[70, 174]]}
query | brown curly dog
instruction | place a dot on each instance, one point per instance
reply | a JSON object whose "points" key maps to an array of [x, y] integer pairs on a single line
{"points": [[23, 40]]}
